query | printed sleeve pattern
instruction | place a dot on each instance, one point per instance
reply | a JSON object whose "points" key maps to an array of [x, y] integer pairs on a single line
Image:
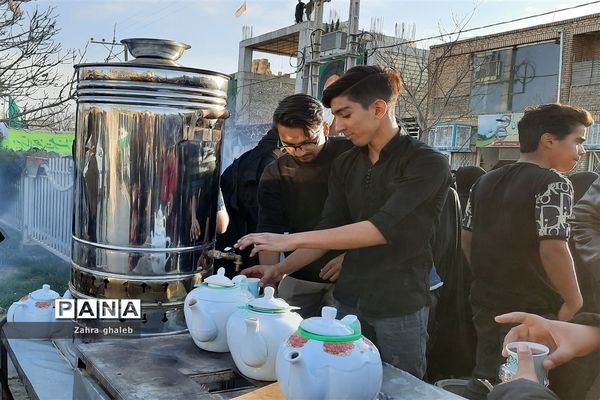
{"points": [[553, 208]]}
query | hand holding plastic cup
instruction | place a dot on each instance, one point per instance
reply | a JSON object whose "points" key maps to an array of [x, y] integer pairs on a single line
{"points": [[539, 353]]}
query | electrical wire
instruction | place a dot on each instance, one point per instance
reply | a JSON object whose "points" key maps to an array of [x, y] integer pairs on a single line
{"points": [[441, 36]]}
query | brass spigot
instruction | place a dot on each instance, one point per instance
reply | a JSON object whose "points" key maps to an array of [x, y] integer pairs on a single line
{"points": [[227, 255]]}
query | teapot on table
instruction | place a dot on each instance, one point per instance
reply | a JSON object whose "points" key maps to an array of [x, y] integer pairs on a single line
{"points": [[255, 332], [327, 358], [37, 306], [208, 307]]}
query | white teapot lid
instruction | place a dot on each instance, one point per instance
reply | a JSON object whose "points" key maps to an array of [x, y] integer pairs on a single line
{"points": [[328, 326], [44, 294], [219, 279], [269, 302]]}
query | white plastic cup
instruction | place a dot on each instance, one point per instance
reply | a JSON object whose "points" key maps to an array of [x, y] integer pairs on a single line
{"points": [[253, 286], [540, 353]]}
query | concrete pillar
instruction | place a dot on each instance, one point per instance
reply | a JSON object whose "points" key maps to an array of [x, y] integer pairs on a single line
{"points": [[316, 50], [303, 49], [242, 98], [353, 19]]}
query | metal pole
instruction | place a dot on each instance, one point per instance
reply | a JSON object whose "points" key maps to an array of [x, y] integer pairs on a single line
{"points": [[353, 17], [316, 49], [560, 64]]}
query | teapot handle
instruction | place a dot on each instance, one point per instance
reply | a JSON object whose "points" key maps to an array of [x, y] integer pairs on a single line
{"points": [[11, 310]]}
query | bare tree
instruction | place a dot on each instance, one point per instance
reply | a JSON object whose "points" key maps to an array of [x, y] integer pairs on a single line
{"points": [[59, 119], [428, 100], [30, 61]]}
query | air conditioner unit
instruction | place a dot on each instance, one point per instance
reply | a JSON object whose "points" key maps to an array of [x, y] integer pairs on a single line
{"points": [[334, 41]]}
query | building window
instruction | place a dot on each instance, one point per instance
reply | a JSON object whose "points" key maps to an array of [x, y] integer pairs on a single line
{"points": [[592, 137], [511, 79], [452, 137], [458, 160], [593, 161]]}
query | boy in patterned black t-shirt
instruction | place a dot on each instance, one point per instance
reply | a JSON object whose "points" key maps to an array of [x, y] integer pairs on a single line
{"points": [[515, 232]]}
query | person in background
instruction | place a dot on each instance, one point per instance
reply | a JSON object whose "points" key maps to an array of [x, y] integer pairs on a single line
{"points": [[451, 346], [309, 9], [291, 195], [327, 114], [299, 11], [515, 233], [566, 341], [586, 241], [239, 187], [465, 179], [384, 198], [581, 183]]}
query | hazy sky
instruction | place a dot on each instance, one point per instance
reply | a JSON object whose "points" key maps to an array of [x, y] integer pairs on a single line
{"points": [[214, 33], [210, 27]]}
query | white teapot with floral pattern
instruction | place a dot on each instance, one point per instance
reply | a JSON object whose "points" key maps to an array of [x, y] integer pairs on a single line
{"points": [[328, 358], [37, 306]]}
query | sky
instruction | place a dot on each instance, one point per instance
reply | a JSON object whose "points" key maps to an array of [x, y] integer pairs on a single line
{"points": [[213, 31]]}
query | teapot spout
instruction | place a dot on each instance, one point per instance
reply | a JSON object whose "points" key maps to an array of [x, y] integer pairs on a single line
{"points": [[301, 379], [201, 324], [254, 352]]}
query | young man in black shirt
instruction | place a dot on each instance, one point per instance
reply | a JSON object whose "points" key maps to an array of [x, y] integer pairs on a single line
{"points": [[515, 233], [384, 197], [291, 195]]}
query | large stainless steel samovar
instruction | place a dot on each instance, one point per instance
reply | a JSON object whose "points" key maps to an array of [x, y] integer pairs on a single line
{"points": [[147, 157]]}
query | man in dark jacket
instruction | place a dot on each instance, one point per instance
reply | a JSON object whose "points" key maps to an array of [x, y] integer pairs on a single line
{"points": [[239, 185]]}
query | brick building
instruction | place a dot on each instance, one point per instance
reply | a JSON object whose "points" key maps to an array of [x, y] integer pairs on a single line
{"points": [[483, 84]]}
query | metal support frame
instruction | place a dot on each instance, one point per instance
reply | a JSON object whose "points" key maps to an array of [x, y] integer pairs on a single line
{"points": [[6, 394]]}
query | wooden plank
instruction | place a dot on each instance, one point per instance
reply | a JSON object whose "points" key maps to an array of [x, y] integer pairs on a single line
{"points": [[269, 392]]}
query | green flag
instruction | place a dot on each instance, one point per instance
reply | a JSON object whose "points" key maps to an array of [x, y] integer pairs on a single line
{"points": [[14, 121]]}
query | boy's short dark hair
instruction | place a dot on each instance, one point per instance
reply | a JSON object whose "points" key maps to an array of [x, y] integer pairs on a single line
{"points": [[364, 84], [299, 111], [556, 119]]}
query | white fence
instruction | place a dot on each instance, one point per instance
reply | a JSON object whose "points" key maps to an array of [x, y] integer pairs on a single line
{"points": [[12, 214], [44, 210]]}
